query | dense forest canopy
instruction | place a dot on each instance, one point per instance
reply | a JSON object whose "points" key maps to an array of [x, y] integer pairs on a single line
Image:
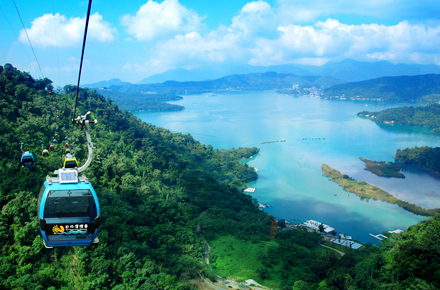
{"points": [[424, 156], [155, 189], [426, 116], [401, 88]]}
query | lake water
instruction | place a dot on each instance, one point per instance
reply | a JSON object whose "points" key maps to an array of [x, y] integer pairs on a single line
{"points": [[290, 177]]}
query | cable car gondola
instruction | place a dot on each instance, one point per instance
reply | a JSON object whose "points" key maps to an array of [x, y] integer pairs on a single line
{"points": [[45, 153], [68, 208], [51, 147], [66, 145], [70, 161], [67, 151], [27, 158], [55, 141]]}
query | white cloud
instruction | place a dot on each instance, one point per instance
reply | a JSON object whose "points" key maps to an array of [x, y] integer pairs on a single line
{"points": [[256, 19], [301, 11], [263, 35], [331, 39], [259, 36], [57, 30], [160, 20]]}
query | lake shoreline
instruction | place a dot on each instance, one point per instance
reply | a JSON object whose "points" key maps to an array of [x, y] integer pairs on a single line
{"points": [[367, 191]]}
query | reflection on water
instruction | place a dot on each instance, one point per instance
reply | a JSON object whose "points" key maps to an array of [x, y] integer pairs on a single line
{"points": [[290, 177]]}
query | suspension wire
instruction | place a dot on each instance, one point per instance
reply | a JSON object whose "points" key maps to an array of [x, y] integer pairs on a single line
{"points": [[82, 57], [28, 38], [56, 42], [21, 44]]}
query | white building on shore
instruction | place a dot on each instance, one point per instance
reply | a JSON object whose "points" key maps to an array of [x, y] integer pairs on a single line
{"points": [[315, 226]]}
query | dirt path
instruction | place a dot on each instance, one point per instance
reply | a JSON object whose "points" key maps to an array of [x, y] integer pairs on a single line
{"points": [[342, 253]]}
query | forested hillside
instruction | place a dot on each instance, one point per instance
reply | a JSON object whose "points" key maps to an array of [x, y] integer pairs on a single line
{"points": [[426, 116], [152, 186], [155, 188], [137, 102], [401, 88]]}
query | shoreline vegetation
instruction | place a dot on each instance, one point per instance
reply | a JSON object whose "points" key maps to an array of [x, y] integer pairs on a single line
{"points": [[423, 156], [426, 116], [367, 191], [383, 169]]}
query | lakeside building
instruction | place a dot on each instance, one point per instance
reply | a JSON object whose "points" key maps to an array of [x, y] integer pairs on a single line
{"points": [[315, 226]]}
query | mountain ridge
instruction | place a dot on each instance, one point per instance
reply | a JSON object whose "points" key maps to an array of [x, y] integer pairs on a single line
{"points": [[254, 81], [347, 70]]}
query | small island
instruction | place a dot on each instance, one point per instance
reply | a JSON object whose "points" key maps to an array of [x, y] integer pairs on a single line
{"points": [[367, 191], [382, 168]]}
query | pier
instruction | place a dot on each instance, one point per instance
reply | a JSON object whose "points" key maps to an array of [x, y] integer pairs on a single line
{"points": [[380, 237], [250, 189]]}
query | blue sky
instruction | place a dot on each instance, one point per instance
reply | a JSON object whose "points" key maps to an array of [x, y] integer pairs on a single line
{"points": [[132, 40]]}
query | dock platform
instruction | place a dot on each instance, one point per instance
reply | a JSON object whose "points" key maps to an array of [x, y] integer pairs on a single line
{"points": [[380, 237], [250, 189]]}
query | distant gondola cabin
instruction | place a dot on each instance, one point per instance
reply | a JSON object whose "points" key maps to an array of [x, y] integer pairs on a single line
{"points": [[51, 148], [45, 153], [27, 159], [70, 161]]}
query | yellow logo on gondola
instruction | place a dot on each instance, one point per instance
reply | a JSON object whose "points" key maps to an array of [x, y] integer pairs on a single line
{"points": [[58, 229]]}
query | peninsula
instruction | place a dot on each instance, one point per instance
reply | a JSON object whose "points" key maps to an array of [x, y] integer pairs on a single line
{"points": [[367, 191], [382, 168], [426, 116]]}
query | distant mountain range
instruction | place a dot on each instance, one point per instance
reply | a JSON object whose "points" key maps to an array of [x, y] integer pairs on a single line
{"points": [[401, 88], [254, 81], [348, 70], [218, 71], [106, 84]]}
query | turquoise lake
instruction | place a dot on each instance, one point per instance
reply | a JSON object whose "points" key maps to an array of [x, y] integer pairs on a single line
{"points": [[290, 178]]}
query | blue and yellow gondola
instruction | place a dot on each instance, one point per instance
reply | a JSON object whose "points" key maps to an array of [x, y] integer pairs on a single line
{"points": [[68, 211]]}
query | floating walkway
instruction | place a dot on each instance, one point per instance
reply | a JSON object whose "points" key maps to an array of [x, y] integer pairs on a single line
{"points": [[380, 237], [250, 189], [267, 142]]}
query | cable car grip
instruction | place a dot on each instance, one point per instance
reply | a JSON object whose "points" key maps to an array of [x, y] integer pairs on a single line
{"points": [[42, 224], [97, 222]]}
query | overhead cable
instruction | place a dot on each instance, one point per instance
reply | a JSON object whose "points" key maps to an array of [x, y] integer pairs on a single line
{"points": [[82, 57], [16, 36], [28, 38]]}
